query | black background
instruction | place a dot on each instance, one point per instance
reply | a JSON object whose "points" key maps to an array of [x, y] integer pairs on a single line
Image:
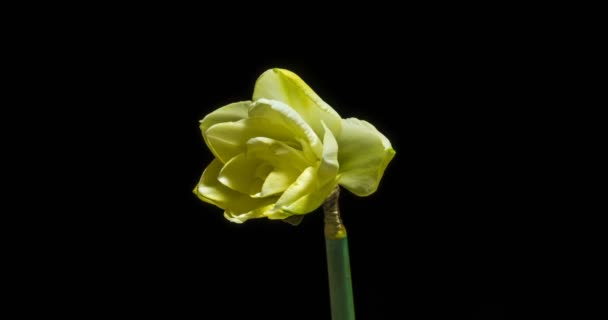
{"points": [[434, 240]]}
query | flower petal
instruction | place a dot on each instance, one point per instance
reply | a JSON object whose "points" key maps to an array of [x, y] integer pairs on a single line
{"points": [[277, 153], [242, 217], [304, 184], [285, 86], [313, 186], [326, 178], [303, 196], [210, 190], [281, 114], [226, 140], [287, 162], [313, 200], [294, 220], [277, 181], [232, 112], [363, 156], [238, 174], [329, 166]]}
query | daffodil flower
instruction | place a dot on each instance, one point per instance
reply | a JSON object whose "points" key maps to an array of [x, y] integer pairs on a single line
{"points": [[281, 154]]}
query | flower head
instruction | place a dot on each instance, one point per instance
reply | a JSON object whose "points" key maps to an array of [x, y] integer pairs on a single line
{"points": [[280, 155]]}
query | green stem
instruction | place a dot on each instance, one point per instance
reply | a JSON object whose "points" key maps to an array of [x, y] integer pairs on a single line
{"points": [[338, 261]]}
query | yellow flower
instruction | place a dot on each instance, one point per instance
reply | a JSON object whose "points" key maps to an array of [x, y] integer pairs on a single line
{"points": [[280, 155]]}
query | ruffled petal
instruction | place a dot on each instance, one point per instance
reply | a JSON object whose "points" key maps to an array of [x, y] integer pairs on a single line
{"points": [[304, 184], [277, 181], [210, 190], [311, 201], [277, 153], [363, 156], [242, 217], [238, 174], [228, 139], [329, 166], [285, 86], [229, 113], [285, 117]]}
